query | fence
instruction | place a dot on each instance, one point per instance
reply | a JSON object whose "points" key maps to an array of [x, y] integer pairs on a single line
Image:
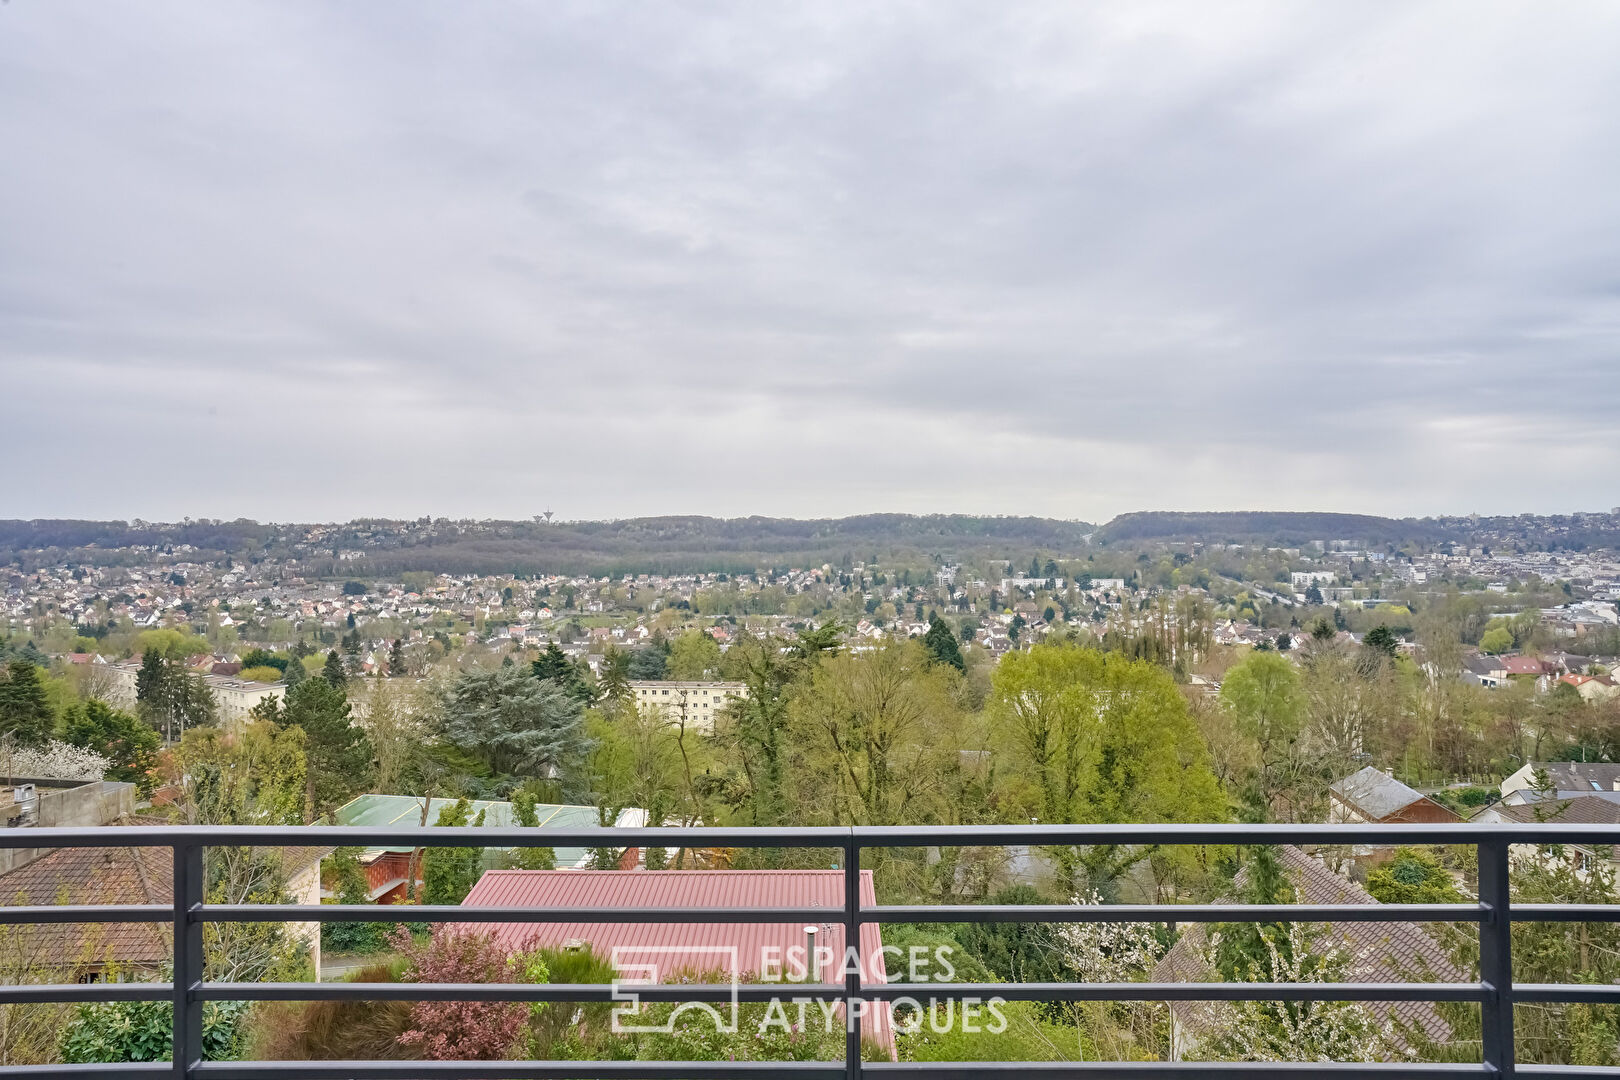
{"points": [[1495, 993]]}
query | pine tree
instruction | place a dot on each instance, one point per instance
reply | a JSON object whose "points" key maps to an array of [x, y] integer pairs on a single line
{"points": [[941, 644], [333, 672], [25, 713], [337, 751], [295, 674], [396, 658]]}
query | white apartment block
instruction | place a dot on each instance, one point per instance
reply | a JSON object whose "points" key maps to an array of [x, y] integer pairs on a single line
{"points": [[233, 698], [695, 702]]}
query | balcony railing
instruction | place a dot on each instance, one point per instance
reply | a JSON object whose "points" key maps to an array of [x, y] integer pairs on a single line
{"points": [[1495, 992]]}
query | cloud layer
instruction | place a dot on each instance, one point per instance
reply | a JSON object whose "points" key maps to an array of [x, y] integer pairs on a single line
{"points": [[292, 260]]}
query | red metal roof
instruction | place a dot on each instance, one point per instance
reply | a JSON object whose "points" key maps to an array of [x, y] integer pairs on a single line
{"points": [[671, 947]]}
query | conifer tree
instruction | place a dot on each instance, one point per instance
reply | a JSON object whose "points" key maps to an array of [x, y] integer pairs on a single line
{"points": [[941, 644], [333, 671], [396, 658], [25, 713]]}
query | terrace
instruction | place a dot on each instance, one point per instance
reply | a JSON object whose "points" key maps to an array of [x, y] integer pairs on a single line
{"points": [[1495, 992]]}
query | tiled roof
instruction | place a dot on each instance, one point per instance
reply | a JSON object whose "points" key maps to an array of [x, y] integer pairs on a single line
{"points": [[97, 876], [1388, 952]]}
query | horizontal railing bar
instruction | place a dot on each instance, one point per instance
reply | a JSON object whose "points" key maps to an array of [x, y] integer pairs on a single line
{"points": [[1568, 993], [582, 992], [1565, 912], [455, 913], [1152, 1070], [85, 913], [81, 1072], [520, 1070], [325, 836], [879, 836], [81, 993], [681, 992], [1178, 913], [1181, 991], [1565, 1072], [874, 836]]}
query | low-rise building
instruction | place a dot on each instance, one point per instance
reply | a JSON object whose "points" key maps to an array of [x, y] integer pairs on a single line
{"points": [[695, 703]]}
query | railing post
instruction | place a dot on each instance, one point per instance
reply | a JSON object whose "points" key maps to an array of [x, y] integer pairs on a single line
{"points": [[188, 957], [852, 941], [1496, 958]]}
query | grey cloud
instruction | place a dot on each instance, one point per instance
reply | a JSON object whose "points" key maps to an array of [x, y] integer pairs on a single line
{"points": [[745, 258]]}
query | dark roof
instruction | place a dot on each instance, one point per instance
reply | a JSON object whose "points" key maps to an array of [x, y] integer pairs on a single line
{"points": [[1582, 775], [1375, 793], [1582, 810], [1388, 952]]}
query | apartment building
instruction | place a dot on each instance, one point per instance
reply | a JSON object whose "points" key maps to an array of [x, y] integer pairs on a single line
{"points": [[694, 702]]}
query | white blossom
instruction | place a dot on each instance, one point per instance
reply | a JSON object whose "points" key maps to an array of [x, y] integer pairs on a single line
{"points": [[1292, 1030], [56, 760], [1108, 952]]}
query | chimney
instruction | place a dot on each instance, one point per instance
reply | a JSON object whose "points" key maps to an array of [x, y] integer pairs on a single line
{"points": [[814, 976]]}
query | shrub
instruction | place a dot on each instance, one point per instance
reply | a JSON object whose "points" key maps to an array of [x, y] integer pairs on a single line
{"points": [[465, 1030], [116, 1031], [337, 1030]]}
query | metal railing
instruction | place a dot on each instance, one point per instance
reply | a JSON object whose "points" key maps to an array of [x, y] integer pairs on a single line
{"points": [[1495, 992]]}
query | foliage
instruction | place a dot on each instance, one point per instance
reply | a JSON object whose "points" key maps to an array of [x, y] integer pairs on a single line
{"points": [[25, 713], [1290, 1030], [529, 858], [514, 723], [694, 655], [336, 1030], [1496, 640], [449, 873], [349, 886], [337, 751], [263, 673], [942, 1034], [129, 745], [333, 671], [941, 644], [465, 1030], [1413, 877], [1268, 706], [554, 666], [117, 1031], [1100, 737], [1381, 639], [55, 760]]}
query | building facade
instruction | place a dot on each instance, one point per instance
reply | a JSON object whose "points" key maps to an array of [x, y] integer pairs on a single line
{"points": [[695, 703]]}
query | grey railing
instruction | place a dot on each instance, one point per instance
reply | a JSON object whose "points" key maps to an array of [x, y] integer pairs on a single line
{"points": [[1495, 992]]}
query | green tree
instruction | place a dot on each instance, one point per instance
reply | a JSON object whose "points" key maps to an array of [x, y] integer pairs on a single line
{"points": [[449, 873], [529, 858], [941, 644], [396, 658], [555, 667], [517, 725], [333, 672], [616, 675], [1267, 703], [349, 886], [128, 743], [1413, 877], [1381, 639], [1498, 639], [338, 753], [693, 656], [25, 712]]}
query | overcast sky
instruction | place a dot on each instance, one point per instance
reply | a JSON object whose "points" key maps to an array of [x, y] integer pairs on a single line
{"points": [[316, 261]]}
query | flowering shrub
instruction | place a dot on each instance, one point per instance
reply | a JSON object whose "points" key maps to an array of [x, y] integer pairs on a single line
{"points": [[59, 761], [1108, 952], [465, 1030]]}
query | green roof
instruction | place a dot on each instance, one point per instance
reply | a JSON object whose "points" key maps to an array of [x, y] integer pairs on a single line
{"points": [[399, 811]]}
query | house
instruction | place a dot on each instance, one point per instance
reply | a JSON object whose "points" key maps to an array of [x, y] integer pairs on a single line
{"points": [[1378, 952], [89, 952], [1374, 797], [1564, 780], [388, 869], [1580, 810], [749, 951], [1592, 687]]}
